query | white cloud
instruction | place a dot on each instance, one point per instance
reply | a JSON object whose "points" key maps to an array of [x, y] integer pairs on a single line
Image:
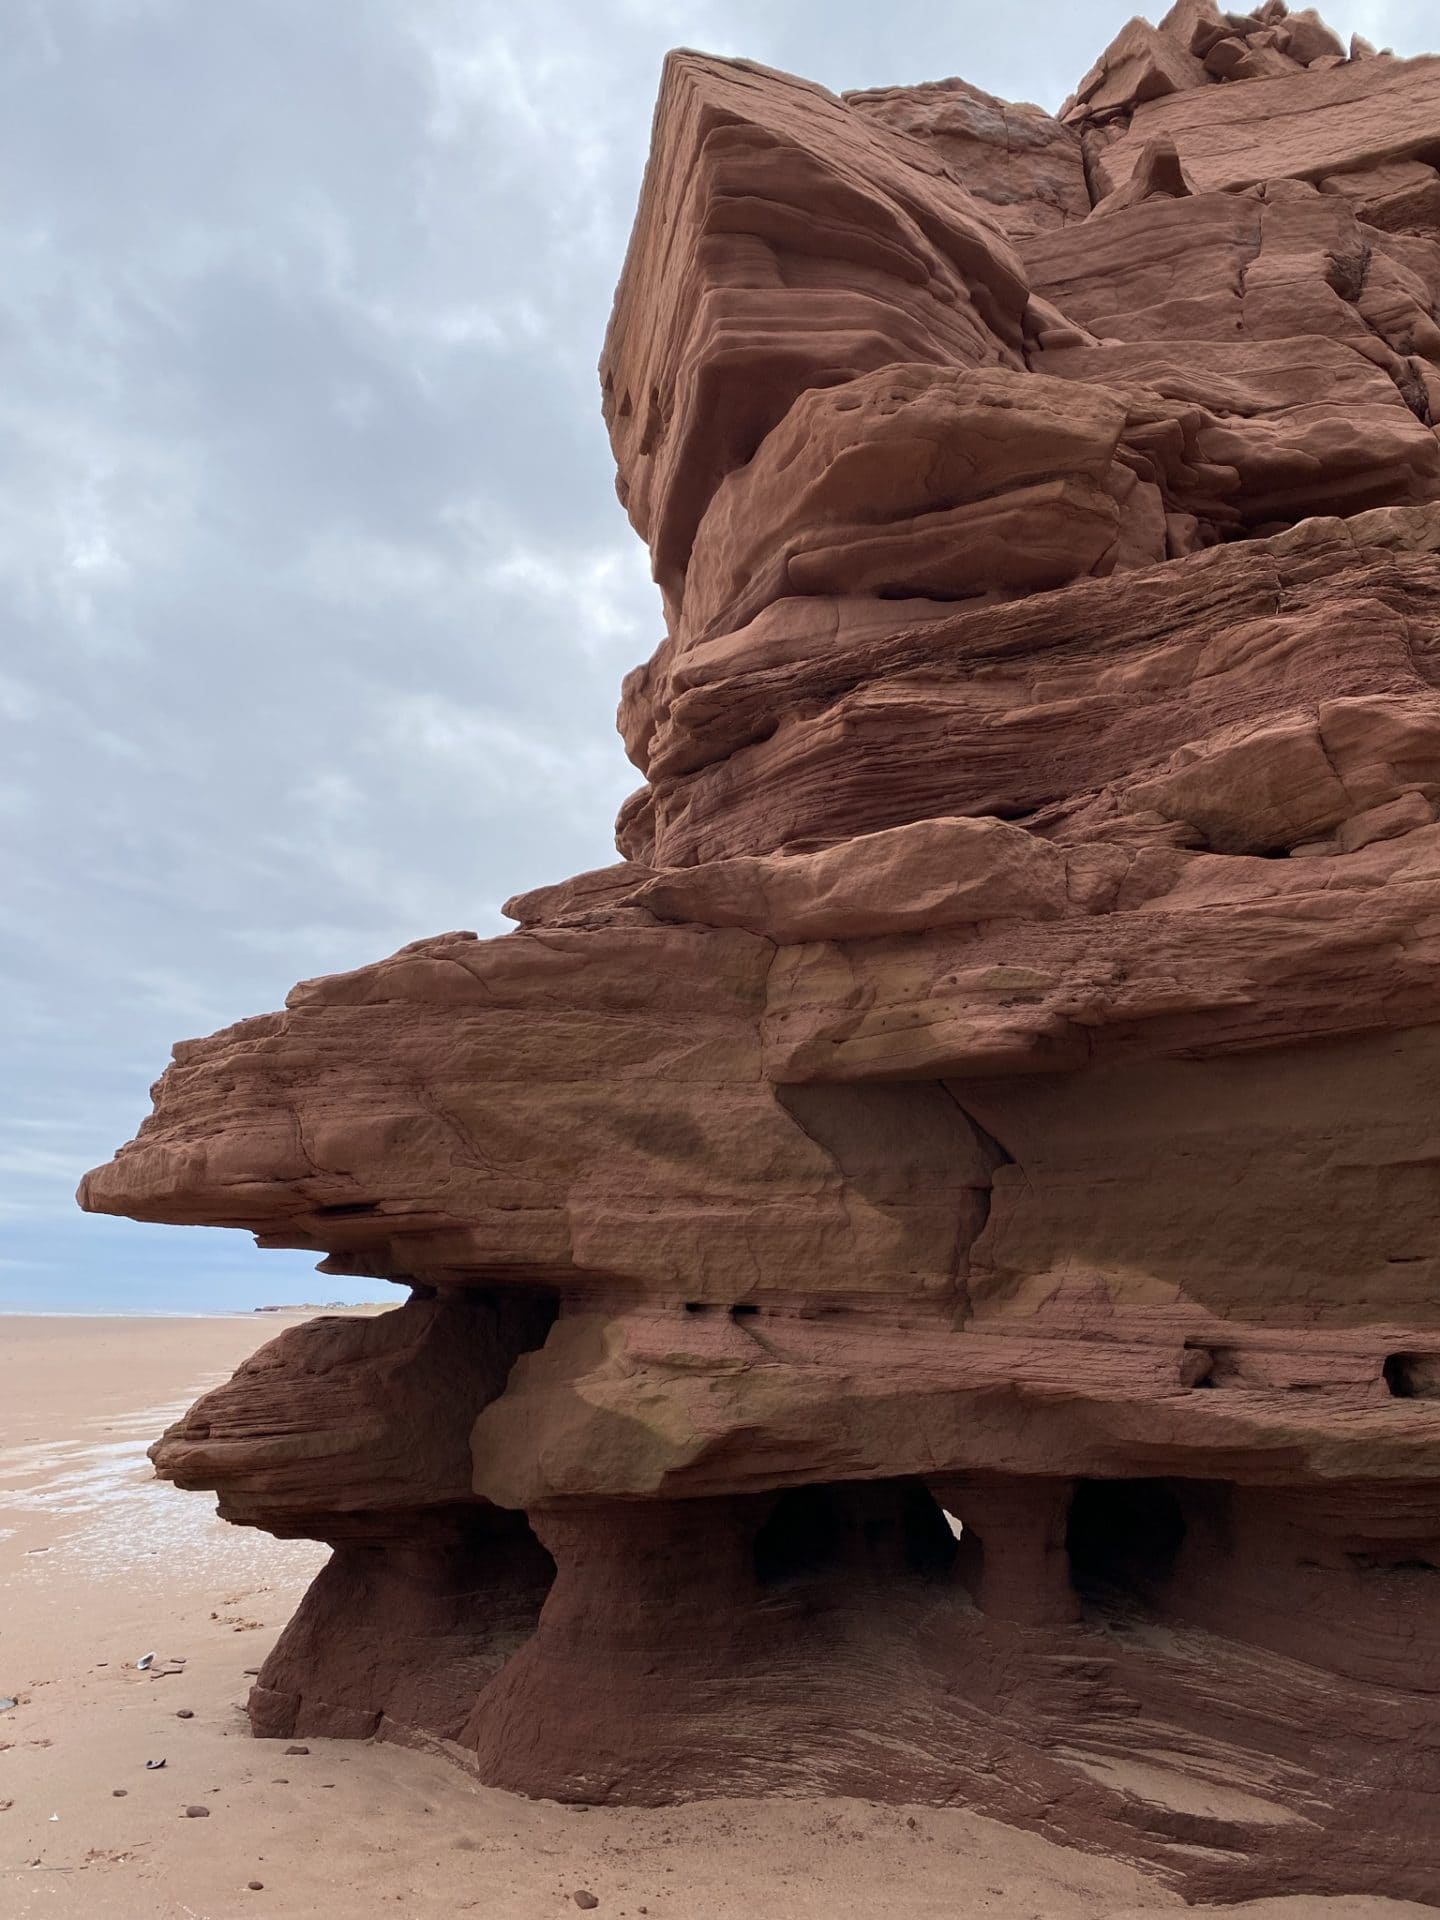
{"points": [[315, 589]]}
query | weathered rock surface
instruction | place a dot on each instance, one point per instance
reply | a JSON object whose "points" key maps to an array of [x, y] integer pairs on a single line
{"points": [[1027, 168], [1290, 125], [782, 243], [924, 1273]]}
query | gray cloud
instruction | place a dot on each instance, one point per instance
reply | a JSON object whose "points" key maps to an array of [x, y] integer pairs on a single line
{"points": [[317, 591]]}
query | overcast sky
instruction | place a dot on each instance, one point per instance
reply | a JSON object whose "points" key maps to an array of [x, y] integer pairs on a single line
{"points": [[315, 588]]}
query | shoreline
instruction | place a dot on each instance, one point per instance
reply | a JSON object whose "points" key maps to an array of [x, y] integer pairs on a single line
{"points": [[148, 1313], [311, 1309]]}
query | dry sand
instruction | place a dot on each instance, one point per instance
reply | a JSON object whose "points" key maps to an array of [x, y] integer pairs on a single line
{"points": [[99, 1564]]}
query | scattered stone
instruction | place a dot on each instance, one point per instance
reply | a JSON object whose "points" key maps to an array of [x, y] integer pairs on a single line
{"points": [[118, 1793], [184, 1713], [255, 1886], [290, 1750], [197, 1813], [586, 1899], [153, 1766]]}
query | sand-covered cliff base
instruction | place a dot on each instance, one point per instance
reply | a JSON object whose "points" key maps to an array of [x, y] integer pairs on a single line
{"points": [[100, 1564]]}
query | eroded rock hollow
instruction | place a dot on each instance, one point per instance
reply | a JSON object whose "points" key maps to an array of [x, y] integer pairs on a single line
{"points": [[924, 1274]]}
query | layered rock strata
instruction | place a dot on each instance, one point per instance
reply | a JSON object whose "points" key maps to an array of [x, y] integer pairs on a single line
{"points": [[923, 1275]]}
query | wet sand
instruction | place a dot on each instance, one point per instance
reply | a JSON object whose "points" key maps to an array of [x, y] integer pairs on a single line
{"points": [[101, 1564]]}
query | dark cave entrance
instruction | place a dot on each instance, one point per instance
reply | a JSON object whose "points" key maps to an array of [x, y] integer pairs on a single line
{"points": [[1123, 1537], [801, 1536], [892, 1526], [1412, 1376]]}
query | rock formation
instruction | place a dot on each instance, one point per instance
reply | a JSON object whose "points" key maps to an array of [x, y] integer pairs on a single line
{"points": [[924, 1275]]}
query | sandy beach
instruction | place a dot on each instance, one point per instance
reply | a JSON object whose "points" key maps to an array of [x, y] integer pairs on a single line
{"points": [[100, 1564]]}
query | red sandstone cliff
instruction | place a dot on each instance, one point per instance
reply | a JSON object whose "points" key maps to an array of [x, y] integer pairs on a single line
{"points": [[999, 1079]]}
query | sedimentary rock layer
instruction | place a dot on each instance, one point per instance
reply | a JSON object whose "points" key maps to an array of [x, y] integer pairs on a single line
{"points": [[923, 1272]]}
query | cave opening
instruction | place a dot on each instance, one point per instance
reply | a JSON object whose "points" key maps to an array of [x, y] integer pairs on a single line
{"points": [[886, 1526], [800, 1536], [1412, 1376], [1123, 1537], [928, 1540]]}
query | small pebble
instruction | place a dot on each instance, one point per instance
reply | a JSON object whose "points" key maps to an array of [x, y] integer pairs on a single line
{"points": [[183, 1713], [118, 1793], [255, 1886], [279, 1783], [586, 1899], [290, 1750], [252, 1673], [197, 1813]]}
